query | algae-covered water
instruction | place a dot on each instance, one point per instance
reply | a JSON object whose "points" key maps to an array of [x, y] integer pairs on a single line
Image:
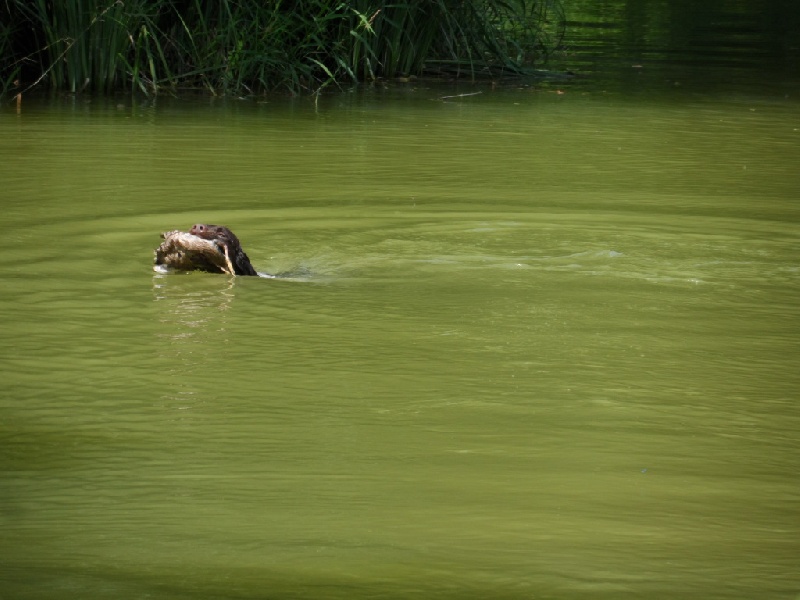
{"points": [[540, 342]]}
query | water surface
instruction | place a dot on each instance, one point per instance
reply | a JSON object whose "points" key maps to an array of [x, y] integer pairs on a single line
{"points": [[535, 343]]}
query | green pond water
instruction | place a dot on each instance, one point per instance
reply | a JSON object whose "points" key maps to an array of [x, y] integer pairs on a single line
{"points": [[526, 344]]}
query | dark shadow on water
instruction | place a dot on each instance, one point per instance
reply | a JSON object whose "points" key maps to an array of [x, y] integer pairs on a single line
{"points": [[708, 47]]}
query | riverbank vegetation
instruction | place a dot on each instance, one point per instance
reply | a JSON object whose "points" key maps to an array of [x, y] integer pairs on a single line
{"points": [[254, 46]]}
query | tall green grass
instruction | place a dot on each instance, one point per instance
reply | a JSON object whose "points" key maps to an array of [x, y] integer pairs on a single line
{"points": [[251, 46], [10, 72], [80, 40]]}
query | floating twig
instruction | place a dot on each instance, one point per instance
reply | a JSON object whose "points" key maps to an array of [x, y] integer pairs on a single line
{"points": [[459, 95]]}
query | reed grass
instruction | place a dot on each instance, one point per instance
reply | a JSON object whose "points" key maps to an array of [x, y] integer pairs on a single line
{"points": [[251, 46], [9, 73], [82, 40]]}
